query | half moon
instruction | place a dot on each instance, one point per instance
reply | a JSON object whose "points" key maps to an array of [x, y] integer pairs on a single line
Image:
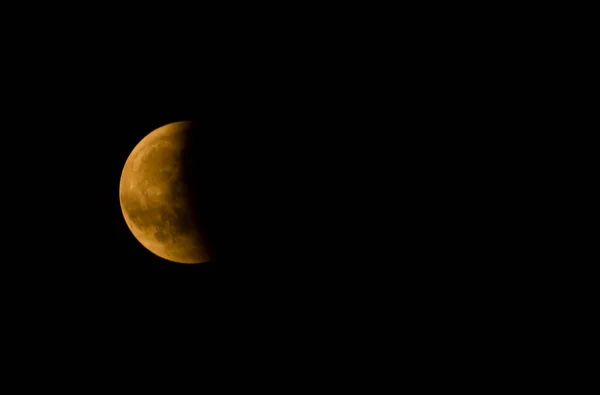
{"points": [[155, 196]]}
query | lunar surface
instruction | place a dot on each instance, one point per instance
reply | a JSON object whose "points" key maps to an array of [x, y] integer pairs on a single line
{"points": [[155, 197]]}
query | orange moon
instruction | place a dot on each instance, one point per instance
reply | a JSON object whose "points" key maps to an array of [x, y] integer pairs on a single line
{"points": [[155, 198]]}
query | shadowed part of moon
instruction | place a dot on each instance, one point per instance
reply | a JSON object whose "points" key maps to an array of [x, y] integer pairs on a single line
{"points": [[158, 199]]}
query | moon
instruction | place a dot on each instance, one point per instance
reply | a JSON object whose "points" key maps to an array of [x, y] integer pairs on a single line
{"points": [[155, 196]]}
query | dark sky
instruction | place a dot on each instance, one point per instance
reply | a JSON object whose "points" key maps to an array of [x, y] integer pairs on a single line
{"points": [[73, 110]]}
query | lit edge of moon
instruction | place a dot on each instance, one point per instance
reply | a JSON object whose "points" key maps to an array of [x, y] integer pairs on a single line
{"points": [[152, 200]]}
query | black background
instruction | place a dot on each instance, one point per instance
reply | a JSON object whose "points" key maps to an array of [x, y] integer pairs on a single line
{"points": [[278, 108]]}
